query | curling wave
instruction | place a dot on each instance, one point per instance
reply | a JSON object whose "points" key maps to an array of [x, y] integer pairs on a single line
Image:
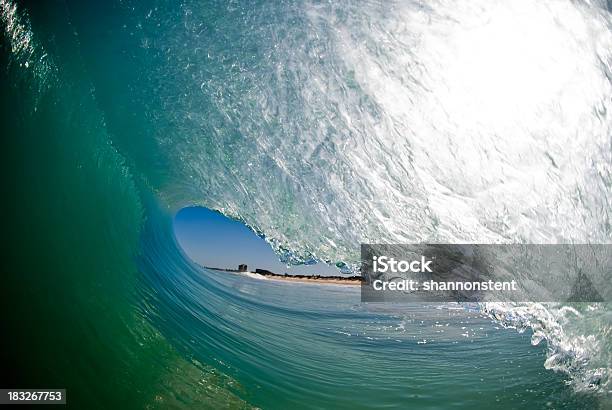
{"points": [[320, 126]]}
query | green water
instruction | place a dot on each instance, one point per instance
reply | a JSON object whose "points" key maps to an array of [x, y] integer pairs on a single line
{"points": [[74, 220]]}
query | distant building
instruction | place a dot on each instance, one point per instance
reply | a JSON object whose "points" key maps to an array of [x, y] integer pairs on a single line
{"points": [[242, 268]]}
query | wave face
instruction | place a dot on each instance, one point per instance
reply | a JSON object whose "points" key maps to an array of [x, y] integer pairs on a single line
{"points": [[397, 122], [320, 126]]}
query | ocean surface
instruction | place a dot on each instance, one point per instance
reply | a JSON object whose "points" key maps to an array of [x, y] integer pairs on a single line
{"points": [[321, 126]]}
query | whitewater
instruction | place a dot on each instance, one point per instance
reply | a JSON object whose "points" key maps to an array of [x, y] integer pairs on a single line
{"points": [[321, 126]]}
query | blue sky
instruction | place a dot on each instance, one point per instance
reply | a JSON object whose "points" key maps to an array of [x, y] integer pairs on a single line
{"points": [[212, 239]]}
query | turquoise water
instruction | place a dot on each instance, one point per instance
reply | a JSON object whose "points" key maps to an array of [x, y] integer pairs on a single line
{"points": [[116, 115], [317, 346]]}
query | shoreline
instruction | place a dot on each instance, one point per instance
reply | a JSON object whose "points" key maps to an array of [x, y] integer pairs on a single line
{"points": [[314, 279], [332, 280]]}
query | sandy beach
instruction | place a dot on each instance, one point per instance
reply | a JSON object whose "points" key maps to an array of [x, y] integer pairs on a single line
{"points": [[326, 280], [315, 280]]}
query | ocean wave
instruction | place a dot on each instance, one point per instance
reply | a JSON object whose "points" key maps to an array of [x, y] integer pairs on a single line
{"points": [[322, 126], [487, 123]]}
